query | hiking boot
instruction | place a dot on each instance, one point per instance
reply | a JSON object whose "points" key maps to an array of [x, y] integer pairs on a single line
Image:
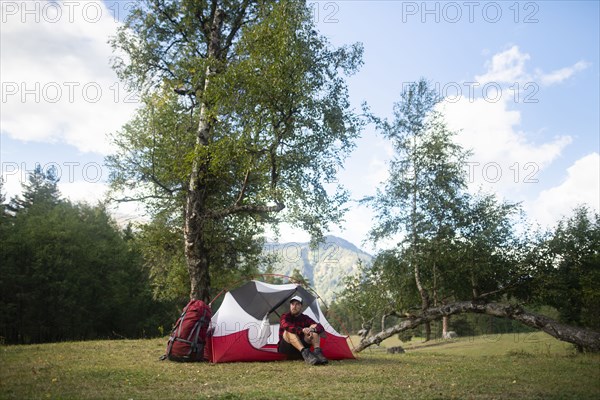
{"points": [[309, 357], [320, 357]]}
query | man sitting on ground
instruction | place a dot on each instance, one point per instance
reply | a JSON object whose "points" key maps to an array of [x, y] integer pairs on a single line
{"points": [[298, 332]]}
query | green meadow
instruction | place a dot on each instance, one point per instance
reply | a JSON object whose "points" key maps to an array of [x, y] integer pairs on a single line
{"points": [[508, 366]]}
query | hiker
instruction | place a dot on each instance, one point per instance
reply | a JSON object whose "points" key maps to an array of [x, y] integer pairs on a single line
{"points": [[298, 332]]}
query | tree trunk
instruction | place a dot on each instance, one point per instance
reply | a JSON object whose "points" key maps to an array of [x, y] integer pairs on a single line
{"points": [[445, 320], [424, 302], [584, 338], [422, 292], [417, 273], [427, 331], [196, 258], [195, 213]]}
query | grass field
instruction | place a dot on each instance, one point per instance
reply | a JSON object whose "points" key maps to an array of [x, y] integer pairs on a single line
{"points": [[510, 366]]}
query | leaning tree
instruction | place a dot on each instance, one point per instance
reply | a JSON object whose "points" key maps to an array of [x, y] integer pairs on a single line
{"points": [[245, 114], [422, 196], [462, 253]]}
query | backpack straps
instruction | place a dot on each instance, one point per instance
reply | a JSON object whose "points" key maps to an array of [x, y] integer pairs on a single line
{"points": [[174, 333], [195, 338], [195, 348]]}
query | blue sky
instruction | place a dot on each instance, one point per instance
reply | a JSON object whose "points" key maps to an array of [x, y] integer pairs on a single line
{"points": [[522, 80]]}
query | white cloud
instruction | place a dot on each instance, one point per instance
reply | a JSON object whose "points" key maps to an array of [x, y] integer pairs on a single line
{"points": [[287, 234], [77, 190], [125, 213], [581, 186], [562, 74], [508, 67], [504, 160], [368, 161], [79, 184], [12, 179], [359, 220], [85, 192], [505, 67], [57, 83]]}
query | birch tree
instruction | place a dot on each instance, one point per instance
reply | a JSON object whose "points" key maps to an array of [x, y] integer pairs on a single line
{"points": [[245, 114], [422, 196]]}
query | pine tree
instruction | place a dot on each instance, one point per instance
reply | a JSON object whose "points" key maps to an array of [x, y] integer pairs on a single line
{"points": [[40, 189]]}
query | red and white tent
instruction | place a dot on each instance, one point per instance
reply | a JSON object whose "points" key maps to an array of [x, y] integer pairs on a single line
{"points": [[246, 325]]}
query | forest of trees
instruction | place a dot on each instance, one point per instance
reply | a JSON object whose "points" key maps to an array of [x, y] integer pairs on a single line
{"points": [[245, 120], [458, 252], [68, 272]]}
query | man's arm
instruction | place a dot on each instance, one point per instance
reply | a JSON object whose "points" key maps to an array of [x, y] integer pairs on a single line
{"points": [[311, 323], [288, 325]]}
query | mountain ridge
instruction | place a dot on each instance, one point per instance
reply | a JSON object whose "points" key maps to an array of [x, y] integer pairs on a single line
{"points": [[324, 266]]}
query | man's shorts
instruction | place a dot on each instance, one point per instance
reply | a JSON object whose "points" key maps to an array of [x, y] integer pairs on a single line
{"points": [[291, 352]]}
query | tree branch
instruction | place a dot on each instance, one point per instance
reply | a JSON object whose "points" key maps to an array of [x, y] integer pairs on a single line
{"points": [[243, 190], [141, 198], [501, 290], [235, 27], [167, 189], [249, 208], [583, 338], [177, 27]]}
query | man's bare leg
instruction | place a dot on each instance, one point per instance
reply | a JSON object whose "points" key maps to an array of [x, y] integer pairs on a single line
{"points": [[295, 341]]}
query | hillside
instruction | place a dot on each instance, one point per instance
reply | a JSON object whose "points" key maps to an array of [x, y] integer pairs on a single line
{"points": [[325, 266]]}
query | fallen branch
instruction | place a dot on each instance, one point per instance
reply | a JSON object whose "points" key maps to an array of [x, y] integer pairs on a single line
{"points": [[584, 339]]}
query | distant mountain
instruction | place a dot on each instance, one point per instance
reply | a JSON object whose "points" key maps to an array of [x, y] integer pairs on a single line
{"points": [[325, 267]]}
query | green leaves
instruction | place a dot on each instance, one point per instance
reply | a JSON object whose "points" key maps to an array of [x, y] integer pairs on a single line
{"points": [[67, 272], [423, 193], [451, 245], [245, 112], [567, 274]]}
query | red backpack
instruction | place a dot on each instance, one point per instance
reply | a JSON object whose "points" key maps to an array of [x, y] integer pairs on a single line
{"points": [[189, 333]]}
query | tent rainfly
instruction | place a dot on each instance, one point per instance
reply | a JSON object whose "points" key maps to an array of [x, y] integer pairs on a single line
{"points": [[246, 325]]}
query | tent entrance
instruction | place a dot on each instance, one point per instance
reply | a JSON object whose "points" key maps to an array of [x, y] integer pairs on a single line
{"points": [[246, 325]]}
